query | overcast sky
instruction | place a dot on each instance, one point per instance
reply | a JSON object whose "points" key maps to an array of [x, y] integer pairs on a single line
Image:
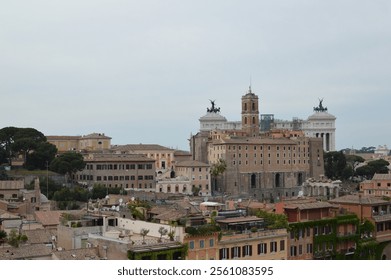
{"points": [[144, 71]]}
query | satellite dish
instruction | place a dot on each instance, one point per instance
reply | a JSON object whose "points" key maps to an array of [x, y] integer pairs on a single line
{"points": [[300, 194], [132, 199], [239, 200], [120, 201], [113, 207], [107, 197]]}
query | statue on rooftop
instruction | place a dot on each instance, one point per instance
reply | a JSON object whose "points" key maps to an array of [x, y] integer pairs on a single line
{"points": [[213, 109], [320, 108]]}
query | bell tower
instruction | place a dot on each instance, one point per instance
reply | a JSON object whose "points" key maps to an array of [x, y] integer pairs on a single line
{"points": [[250, 113]]}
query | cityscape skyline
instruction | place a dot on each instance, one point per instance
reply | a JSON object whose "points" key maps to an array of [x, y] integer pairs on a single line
{"points": [[145, 72]]}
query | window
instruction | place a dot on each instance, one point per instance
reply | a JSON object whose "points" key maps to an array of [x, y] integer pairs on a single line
{"points": [[262, 248], [300, 249], [247, 250], [224, 254], [202, 243], [309, 248], [293, 251], [273, 247], [191, 245], [282, 245], [211, 242], [235, 252]]}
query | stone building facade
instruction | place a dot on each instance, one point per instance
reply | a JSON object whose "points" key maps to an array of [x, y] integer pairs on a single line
{"points": [[266, 168], [263, 165]]}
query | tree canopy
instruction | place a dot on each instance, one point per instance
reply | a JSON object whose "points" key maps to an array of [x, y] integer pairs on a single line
{"points": [[68, 163], [373, 167], [216, 170], [335, 165], [27, 142]]}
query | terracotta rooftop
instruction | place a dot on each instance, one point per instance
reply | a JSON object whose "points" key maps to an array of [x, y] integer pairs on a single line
{"points": [[310, 205], [240, 220], [39, 236], [52, 218], [78, 254], [382, 177], [26, 252], [356, 199]]}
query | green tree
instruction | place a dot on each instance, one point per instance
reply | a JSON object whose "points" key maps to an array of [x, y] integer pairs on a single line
{"points": [[335, 165], [373, 167], [143, 233], [162, 231], [71, 194], [68, 163], [43, 154], [14, 239], [3, 236], [272, 220], [216, 170], [19, 141]]}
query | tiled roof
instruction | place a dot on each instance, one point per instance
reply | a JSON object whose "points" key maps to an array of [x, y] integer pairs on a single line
{"points": [[39, 236], [240, 220], [382, 177], [52, 218], [171, 215], [356, 199], [311, 205], [77, 254], [48, 218], [25, 252]]}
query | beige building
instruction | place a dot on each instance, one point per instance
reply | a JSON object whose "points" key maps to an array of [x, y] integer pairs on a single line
{"points": [[11, 190], [240, 240], [128, 171], [198, 173], [90, 142], [165, 158]]}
